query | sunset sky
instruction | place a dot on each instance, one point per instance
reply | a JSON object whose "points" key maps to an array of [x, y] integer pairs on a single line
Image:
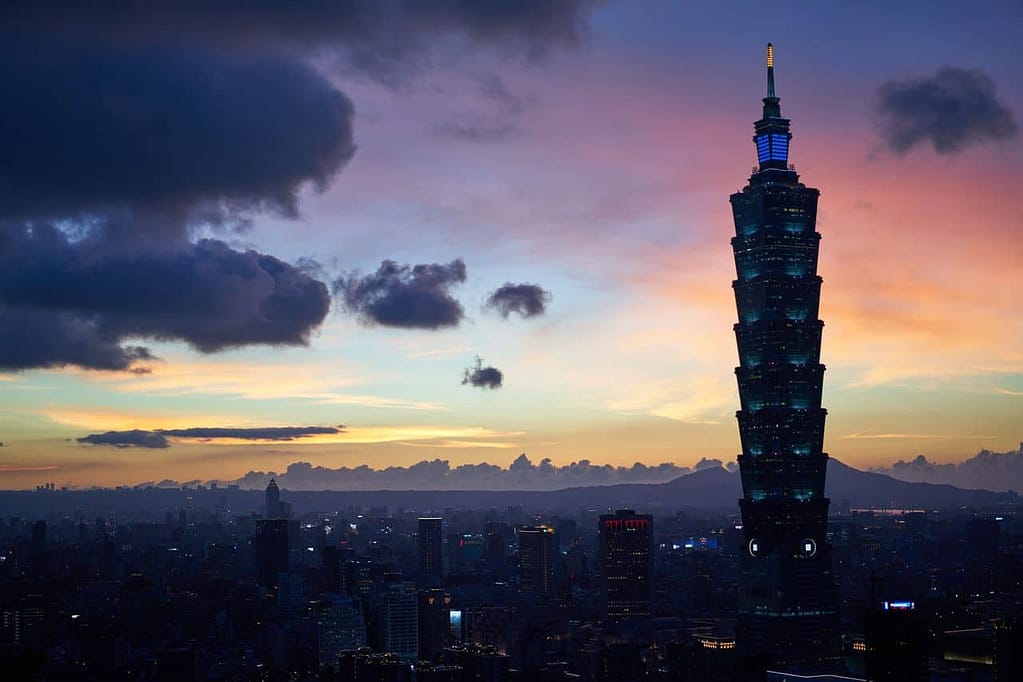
{"points": [[585, 148]]}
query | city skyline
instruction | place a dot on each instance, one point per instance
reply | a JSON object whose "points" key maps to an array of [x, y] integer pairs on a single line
{"points": [[590, 160]]}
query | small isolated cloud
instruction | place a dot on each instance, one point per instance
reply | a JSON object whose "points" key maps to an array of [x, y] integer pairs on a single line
{"points": [[138, 438], [409, 297], [952, 110], [482, 377], [528, 300]]}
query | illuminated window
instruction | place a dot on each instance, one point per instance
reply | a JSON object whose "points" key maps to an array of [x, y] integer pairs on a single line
{"points": [[772, 147]]}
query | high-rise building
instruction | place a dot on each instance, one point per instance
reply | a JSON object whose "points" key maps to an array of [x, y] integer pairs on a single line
{"points": [[434, 623], [399, 620], [39, 536], [356, 577], [787, 605], [537, 556], [896, 640], [494, 538], [271, 545], [465, 551], [339, 627], [431, 551], [625, 564], [272, 501]]}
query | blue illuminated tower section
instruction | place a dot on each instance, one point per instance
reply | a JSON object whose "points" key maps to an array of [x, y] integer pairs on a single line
{"points": [[787, 605]]}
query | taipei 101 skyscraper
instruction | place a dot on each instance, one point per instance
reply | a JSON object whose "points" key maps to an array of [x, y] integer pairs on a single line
{"points": [[787, 605]]}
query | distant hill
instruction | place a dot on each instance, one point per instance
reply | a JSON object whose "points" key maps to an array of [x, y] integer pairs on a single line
{"points": [[865, 489], [708, 489]]}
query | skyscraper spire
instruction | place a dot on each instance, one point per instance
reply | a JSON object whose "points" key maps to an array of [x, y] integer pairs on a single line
{"points": [[772, 131], [772, 107]]}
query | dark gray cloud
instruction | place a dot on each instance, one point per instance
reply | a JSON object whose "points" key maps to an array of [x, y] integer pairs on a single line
{"points": [[987, 470], [132, 126], [482, 377], [275, 433], [411, 297], [90, 129], [127, 148], [78, 302], [136, 438], [382, 38], [952, 110], [41, 338], [439, 474], [158, 438], [527, 300]]}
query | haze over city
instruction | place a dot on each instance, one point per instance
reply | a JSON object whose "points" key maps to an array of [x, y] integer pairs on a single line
{"points": [[362, 237]]}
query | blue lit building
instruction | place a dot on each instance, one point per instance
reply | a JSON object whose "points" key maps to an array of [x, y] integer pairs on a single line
{"points": [[787, 605]]}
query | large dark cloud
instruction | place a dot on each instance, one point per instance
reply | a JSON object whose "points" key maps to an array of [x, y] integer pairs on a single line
{"points": [[527, 300], [158, 439], [76, 302], [88, 129], [952, 110], [113, 155], [379, 37], [482, 377], [405, 296]]}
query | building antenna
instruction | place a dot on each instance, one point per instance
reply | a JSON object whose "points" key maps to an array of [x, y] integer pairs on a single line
{"points": [[770, 70]]}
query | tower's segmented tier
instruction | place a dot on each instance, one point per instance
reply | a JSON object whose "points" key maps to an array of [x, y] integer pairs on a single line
{"points": [[787, 596]]}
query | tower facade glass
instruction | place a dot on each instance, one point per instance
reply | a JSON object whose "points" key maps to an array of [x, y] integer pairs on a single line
{"points": [[787, 602]]}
